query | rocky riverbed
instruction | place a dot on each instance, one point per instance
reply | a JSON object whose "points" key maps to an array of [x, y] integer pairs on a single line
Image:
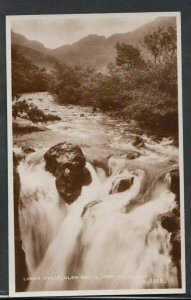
{"points": [[118, 151]]}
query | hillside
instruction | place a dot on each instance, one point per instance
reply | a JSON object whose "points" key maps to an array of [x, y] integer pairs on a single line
{"points": [[40, 59], [19, 39]]}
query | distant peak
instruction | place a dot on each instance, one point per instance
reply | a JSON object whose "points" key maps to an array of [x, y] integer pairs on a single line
{"points": [[92, 37], [20, 39]]}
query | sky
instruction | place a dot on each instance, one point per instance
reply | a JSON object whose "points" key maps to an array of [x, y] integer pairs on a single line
{"points": [[57, 30]]}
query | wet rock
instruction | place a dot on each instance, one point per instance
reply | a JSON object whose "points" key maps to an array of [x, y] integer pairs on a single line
{"points": [[138, 142], [121, 185], [95, 109], [28, 149], [132, 154], [69, 187], [170, 222], [176, 245], [21, 152], [18, 154], [26, 127], [64, 158], [67, 163], [20, 267], [86, 177], [125, 184]]}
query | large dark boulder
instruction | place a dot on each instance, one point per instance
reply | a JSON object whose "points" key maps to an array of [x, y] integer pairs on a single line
{"points": [[64, 157], [67, 163]]}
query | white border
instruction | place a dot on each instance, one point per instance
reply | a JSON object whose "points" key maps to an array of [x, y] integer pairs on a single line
{"points": [[181, 153], [127, 292]]}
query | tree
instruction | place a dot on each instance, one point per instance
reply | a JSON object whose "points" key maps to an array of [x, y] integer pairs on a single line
{"points": [[169, 44], [129, 56], [161, 44], [66, 86]]}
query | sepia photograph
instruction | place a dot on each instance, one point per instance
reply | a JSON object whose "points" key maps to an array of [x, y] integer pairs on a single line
{"points": [[95, 143]]}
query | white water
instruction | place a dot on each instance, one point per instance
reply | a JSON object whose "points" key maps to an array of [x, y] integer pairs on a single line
{"points": [[115, 243]]}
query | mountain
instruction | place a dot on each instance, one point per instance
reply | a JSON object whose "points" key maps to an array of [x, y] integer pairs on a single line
{"points": [[18, 39], [138, 34], [98, 51], [94, 50], [33, 51]]}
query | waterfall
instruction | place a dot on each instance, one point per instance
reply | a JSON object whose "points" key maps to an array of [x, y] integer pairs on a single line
{"points": [[109, 238], [40, 212]]}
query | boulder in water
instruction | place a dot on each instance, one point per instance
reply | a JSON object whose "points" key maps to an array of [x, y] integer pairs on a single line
{"points": [[67, 163], [125, 184], [64, 158], [132, 154], [95, 109], [170, 222], [21, 152], [121, 185], [27, 149], [138, 142]]}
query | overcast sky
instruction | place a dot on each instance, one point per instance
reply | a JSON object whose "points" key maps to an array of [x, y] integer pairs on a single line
{"points": [[55, 31]]}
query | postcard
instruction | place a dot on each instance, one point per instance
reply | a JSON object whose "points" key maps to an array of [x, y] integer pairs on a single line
{"points": [[96, 197]]}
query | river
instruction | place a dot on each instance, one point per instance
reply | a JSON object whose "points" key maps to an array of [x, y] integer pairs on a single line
{"points": [[118, 243]]}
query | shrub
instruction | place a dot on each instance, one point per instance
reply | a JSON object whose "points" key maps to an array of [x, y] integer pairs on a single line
{"points": [[31, 112]]}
